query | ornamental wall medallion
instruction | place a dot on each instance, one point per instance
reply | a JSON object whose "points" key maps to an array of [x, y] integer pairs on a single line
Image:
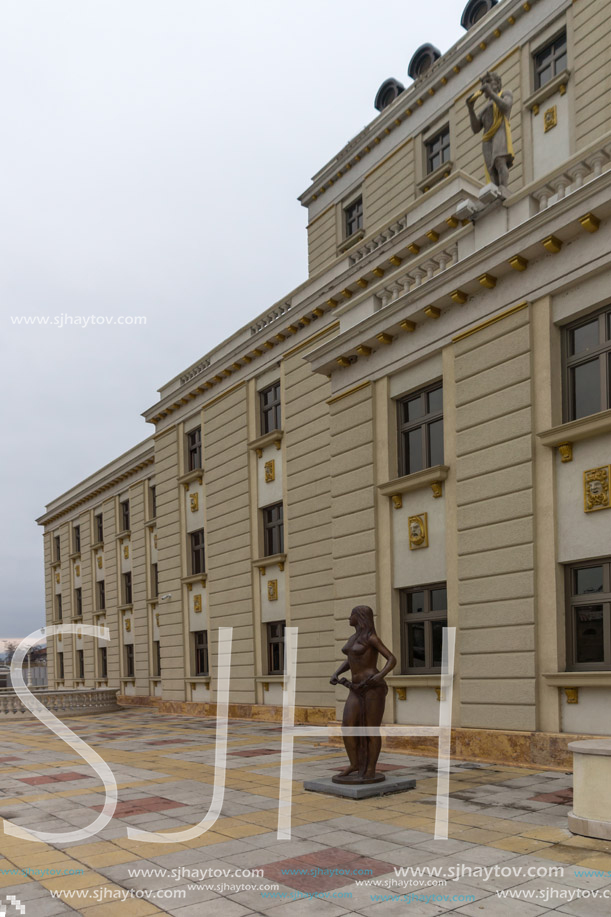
{"points": [[596, 489], [197, 603], [272, 590], [270, 471], [57, 577], [550, 119], [418, 532], [126, 551], [77, 570], [128, 624], [194, 502], [100, 561], [154, 541]]}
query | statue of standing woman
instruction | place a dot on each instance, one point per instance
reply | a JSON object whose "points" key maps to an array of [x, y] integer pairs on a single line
{"points": [[367, 696], [493, 119]]}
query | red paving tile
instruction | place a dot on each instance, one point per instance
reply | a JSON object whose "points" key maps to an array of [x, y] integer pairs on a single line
{"points": [[254, 752], [562, 797], [57, 778], [309, 871], [10, 758], [142, 806], [170, 742]]}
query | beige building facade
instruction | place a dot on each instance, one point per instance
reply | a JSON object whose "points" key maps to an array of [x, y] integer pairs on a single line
{"points": [[423, 425]]}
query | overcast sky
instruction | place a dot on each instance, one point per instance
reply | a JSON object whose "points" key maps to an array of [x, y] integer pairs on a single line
{"points": [[152, 153]]}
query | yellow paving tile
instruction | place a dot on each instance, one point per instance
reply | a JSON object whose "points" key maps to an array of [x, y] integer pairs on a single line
{"points": [[413, 821], [481, 836], [591, 843], [111, 859], [544, 833], [88, 879], [520, 844], [599, 861], [11, 880], [243, 830], [563, 854]]}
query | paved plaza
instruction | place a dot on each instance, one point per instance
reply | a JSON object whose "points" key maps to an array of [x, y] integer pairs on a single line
{"points": [[507, 830]]}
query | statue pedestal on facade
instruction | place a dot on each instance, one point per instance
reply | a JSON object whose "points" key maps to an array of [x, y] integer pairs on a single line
{"points": [[364, 710], [493, 120]]}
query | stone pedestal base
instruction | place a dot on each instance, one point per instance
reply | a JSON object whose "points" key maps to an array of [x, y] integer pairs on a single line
{"points": [[360, 790], [591, 815], [590, 827]]}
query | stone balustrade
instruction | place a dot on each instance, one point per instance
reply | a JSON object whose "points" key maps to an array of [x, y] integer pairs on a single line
{"points": [[61, 703]]}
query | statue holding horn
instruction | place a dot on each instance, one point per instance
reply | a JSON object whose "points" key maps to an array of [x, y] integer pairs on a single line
{"points": [[493, 120]]}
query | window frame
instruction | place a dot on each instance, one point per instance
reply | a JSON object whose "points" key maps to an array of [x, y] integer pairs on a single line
{"points": [[80, 664], [61, 674], [98, 523], [153, 500], [101, 595], [129, 660], [602, 353], [272, 641], [201, 653], [273, 529], [78, 602], [356, 204], [127, 585], [57, 549], [103, 662], [444, 148], [538, 65], [59, 610], [270, 414], [573, 601], [194, 449], [154, 581], [156, 659], [76, 539], [124, 512], [197, 552], [428, 616], [424, 421]]}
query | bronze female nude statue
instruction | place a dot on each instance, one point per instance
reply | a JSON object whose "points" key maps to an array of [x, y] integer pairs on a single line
{"points": [[366, 698]]}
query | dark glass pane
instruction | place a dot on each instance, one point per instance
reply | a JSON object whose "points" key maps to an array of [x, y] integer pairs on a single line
{"points": [[414, 451], [437, 627], [585, 338], [439, 599], [413, 409], [415, 602], [545, 75], [436, 443], [589, 634], [415, 637], [586, 389], [588, 579], [436, 401]]}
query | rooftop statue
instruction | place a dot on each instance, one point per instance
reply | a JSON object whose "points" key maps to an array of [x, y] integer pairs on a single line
{"points": [[367, 696], [493, 119]]}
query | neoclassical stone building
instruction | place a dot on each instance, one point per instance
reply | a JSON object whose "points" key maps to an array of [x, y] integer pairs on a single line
{"points": [[423, 425]]}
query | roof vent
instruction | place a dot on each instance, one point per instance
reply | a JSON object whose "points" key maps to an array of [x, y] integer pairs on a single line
{"points": [[423, 60], [476, 10], [387, 93]]}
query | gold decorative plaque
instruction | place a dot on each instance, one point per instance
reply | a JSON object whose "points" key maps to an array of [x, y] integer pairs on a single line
{"points": [[157, 618], [272, 590], [57, 577], [197, 603], [270, 471], [77, 570], [550, 119], [418, 532], [194, 502], [155, 541], [126, 551], [128, 624], [100, 561], [596, 489]]}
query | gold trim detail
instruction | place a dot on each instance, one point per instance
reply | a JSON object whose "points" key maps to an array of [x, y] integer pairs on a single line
{"points": [[590, 222], [401, 693], [100, 561], [57, 577], [490, 321], [270, 471], [414, 248], [384, 338], [77, 570], [432, 311], [395, 260], [488, 281], [596, 489], [452, 222], [126, 551], [437, 489], [128, 624], [197, 603], [518, 263], [194, 502], [397, 501], [550, 119], [433, 235], [407, 325], [349, 392], [378, 271], [553, 244], [272, 590], [363, 350], [332, 303], [572, 695], [459, 296], [363, 283], [566, 452], [418, 532]]}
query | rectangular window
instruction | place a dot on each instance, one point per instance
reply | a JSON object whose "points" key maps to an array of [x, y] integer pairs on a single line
{"points": [[550, 61], [200, 652], [124, 515], [437, 150], [588, 365], [58, 607], [194, 449], [98, 522], [78, 602], [76, 538], [588, 590], [101, 589], [423, 616], [60, 666], [154, 581], [198, 557], [273, 529], [353, 217], [156, 658], [129, 660], [270, 408], [275, 648], [153, 501], [103, 662], [80, 664], [127, 589], [420, 425], [57, 550]]}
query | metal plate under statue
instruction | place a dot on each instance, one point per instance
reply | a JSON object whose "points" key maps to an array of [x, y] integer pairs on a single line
{"points": [[366, 698]]}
